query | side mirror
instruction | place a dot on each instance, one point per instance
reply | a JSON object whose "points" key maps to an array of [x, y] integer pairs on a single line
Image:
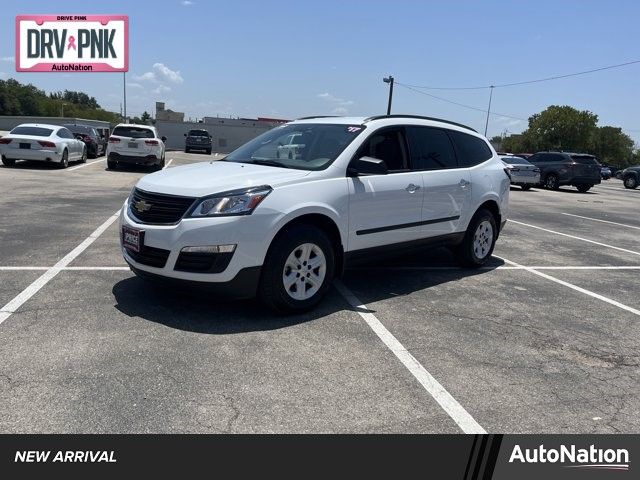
{"points": [[164, 139], [367, 166]]}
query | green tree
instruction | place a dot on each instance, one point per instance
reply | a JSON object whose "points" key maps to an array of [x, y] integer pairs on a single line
{"points": [[612, 146], [145, 117], [561, 128]]}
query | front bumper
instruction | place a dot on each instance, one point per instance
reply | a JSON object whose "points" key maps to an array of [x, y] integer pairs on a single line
{"points": [[246, 232]]}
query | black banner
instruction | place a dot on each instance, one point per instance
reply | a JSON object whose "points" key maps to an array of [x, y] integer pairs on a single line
{"points": [[466, 457]]}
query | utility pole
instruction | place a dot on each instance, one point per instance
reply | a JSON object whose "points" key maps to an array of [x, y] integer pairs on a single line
{"points": [[124, 87], [486, 125], [62, 109], [389, 80]]}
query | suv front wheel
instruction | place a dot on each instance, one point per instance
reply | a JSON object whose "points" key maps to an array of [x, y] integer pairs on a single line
{"points": [[298, 270], [479, 240], [630, 182]]}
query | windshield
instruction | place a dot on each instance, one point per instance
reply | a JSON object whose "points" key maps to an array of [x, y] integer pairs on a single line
{"points": [[33, 131], [303, 146], [133, 132], [198, 133]]}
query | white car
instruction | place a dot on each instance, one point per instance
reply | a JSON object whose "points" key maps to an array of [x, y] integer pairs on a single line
{"points": [[290, 148], [133, 144], [522, 173], [43, 143], [283, 228]]}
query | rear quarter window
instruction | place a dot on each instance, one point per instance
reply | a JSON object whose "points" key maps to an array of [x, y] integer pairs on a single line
{"points": [[470, 150]]}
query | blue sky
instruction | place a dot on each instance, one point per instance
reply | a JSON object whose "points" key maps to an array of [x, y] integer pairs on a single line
{"points": [[294, 58]]}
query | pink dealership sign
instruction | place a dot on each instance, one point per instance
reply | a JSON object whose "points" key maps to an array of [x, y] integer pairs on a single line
{"points": [[72, 43]]}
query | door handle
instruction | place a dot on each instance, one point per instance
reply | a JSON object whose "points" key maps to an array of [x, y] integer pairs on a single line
{"points": [[463, 183], [411, 188]]}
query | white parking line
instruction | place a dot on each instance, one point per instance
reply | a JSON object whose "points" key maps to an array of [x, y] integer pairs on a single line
{"points": [[27, 293], [168, 163], [574, 287], [82, 165], [603, 221], [450, 405], [576, 238], [504, 267]]}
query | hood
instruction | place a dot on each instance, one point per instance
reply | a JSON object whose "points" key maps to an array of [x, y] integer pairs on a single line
{"points": [[201, 179]]}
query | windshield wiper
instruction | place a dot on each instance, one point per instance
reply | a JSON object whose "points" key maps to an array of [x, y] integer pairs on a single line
{"points": [[271, 163]]}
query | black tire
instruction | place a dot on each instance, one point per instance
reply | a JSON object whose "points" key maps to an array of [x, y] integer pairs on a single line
{"points": [[466, 251], [209, 151], [186, 150], [583, 188], [551, 182], [272, 291], [93, 153], [158, 166], [525, 187], [629, 181], [64, 162], [112, 164], [8, 162], [83, 159]]}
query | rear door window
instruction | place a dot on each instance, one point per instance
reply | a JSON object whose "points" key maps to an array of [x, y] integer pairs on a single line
{"points": [[430, 148], [470, 150]]}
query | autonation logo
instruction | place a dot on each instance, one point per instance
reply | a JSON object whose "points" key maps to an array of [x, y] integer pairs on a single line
{"points": [[588, 458]]}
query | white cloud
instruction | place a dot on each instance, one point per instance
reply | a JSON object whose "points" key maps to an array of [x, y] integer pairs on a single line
{"points": [[339, 104], [187, 3], [134, 85], [7, 59], [160, 73], [161, 89]]}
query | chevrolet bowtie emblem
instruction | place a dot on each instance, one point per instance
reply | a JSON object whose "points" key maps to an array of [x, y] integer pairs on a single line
{"points": [[142, 206]]}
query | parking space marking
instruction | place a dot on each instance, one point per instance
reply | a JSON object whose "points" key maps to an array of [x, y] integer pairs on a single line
{"points": [[603, 221], [504, 267], [450, 405], [574, 287], [576, 238], [168, 163], [31, 290], [82, 165]]}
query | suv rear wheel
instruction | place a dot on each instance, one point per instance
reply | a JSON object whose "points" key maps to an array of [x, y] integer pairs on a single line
{"points": [[630, 182], [298, 270], [479, 240], [583, 188]]}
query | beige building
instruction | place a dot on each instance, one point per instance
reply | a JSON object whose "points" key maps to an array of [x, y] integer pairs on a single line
{"points": [[168, 114]]}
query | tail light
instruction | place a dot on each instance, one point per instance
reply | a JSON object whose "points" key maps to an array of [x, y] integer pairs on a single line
{"points": [[514, 169], [5, 141], [536, 170], [47, 144], [114, 140], [151, 142]]}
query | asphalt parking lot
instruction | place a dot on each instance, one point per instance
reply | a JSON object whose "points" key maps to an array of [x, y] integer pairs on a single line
{"points": [[545, 339]]}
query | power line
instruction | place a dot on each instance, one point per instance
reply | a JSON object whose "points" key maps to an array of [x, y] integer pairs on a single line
{"points": [[527, 82], [478, 109]]}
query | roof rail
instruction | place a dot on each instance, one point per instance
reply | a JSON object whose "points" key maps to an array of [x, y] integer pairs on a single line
{"points": [[317, 116], [419, 117]]}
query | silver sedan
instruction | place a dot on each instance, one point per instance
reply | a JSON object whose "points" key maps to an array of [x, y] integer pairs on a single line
{"points": [[42, 142], [522, 173]]}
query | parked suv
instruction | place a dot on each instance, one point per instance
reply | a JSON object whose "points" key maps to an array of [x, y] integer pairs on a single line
{"points": [[631, 177], [562, 168], [135, 145], [285, 227], [96, 145], [197, 140]]}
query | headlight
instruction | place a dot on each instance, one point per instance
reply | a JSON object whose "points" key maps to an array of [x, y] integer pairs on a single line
{"points": [[237, 202]]}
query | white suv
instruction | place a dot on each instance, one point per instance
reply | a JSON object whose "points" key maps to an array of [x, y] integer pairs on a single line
{"points": [[282, 228], [135, 145]]}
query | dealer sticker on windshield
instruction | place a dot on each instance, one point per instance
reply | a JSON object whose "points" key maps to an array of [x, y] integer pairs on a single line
{"points": [[72, 43], [353, 129]]}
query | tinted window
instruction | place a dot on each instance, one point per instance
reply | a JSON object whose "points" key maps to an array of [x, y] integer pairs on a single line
{"points": [[386, 145], [584, 159], [133, 132], [198, 133], [470, 150], [431, 149], [540, 158], [33, 131], [65, 133]]}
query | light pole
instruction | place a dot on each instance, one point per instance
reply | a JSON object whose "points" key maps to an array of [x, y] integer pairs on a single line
{"points": [[486, 125], [62, 109], [389, 80], [124, 87]]}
